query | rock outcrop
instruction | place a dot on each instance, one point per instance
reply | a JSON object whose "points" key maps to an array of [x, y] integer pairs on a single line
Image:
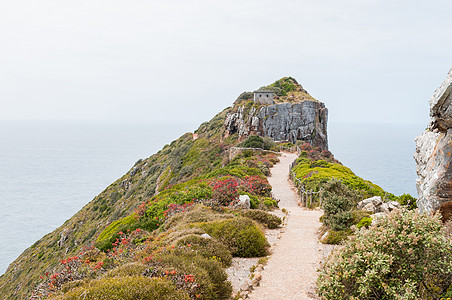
{"points": [[306, 120], [434, 152], [377, 207]]}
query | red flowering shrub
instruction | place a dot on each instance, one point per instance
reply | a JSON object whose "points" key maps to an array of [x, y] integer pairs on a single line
{"points": [[257, 185], [224, 190]]}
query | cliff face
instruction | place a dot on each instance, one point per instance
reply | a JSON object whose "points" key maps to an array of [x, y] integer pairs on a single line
{"points": [[306, 120], [434, 152]]}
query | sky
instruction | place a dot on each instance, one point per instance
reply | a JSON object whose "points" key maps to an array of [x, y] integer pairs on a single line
{"points": [[152, 61]]}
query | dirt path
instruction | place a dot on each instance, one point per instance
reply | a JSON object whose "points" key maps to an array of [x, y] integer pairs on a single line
{"points": [[291, 270]]}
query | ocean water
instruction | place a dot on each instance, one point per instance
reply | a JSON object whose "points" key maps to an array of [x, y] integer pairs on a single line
{"points": [[51, 169], [381, 153]]}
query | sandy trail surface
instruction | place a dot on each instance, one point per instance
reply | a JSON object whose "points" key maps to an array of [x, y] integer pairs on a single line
{"points": [[291, 269]]}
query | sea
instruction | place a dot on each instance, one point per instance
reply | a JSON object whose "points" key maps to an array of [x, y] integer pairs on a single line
{"points": [[50, 169]]}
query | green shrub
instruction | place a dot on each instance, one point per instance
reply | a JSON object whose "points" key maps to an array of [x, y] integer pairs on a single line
{"points": [[403, 256], [270, 203], [247, 153], [210, 278], [265, 218], [358, 215], [130, 269], [253, 141], [196, 214], [365, 222], [408, 200], [244, 96], [337, 211], [336, 237], [315, 173], [114, 227], [110, 234], [241, 235], [208, 248], [448, 294], [126, 288]]}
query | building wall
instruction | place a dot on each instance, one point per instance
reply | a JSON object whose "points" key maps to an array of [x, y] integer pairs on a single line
{"points": [[263, 98]]}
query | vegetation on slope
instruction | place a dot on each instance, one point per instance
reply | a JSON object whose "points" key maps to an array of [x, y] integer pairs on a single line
{"points": [[403, 256], [340, 190], [406, 255], [192, 171], [286, 89]]}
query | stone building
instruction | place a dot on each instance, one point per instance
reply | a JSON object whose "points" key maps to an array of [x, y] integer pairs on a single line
{"points": [[263, 97]]}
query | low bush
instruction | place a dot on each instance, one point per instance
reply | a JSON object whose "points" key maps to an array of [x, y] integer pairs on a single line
{"points": [[208, 248], [314, 172], [403, 256], [241, 235], [358, 215], [209, 278], [336, 237], [130, 269], [244, 96], [365, 222], [118, 225], [197, 213], [337, 212], [265, 218], [126, 288], [253, 141], [270, 203], [408, 200]]}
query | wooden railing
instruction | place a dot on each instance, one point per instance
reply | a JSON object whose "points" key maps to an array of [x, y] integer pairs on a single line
{"points": [[290, 149], [306, 196]]}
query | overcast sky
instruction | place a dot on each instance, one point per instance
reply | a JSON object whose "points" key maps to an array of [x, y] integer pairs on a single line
{"points": [[369, 61]]}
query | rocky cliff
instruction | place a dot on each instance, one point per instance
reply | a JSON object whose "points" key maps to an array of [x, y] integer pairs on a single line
{"points": [[297, 116], [434, 152]]}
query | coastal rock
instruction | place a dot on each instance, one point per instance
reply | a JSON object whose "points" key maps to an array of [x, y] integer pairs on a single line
{"points": [[377, 206], [306, 121], [370, 204], [244, 202], [64, 236], [434, 152], [206, 236]]}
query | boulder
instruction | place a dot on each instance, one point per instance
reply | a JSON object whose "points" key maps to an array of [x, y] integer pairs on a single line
{"points": [[370, 204], [377, 207], [243, 202]]}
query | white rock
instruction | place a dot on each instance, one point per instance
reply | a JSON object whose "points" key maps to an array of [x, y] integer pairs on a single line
{"points": [[206, 236], [244, 202], [370, 203]]}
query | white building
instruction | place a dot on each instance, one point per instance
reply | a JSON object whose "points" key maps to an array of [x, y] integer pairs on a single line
{"points": [[263, 97]]}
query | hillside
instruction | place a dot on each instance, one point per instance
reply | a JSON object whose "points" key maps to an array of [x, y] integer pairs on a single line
{"points": [[202, 153], [170, 226]]}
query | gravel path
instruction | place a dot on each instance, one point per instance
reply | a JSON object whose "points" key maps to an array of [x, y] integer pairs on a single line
{"points": [[291, 270]]}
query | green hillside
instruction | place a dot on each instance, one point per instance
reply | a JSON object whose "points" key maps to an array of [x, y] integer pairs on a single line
{"points": [[193, 172]]}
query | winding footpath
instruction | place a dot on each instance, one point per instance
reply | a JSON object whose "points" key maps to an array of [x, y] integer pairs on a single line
{"points": [[291, 269]]}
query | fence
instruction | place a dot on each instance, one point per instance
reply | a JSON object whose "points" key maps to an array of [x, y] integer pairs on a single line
{"points": [[306, 196], [291, 149], [233, 151]]}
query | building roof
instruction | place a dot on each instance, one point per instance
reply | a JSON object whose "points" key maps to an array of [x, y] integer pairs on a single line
{"points": [[263, 91]]}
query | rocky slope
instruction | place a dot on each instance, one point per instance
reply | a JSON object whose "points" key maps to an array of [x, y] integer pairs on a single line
{"points": [[301, 117], [305, 121], [434, 152]]}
